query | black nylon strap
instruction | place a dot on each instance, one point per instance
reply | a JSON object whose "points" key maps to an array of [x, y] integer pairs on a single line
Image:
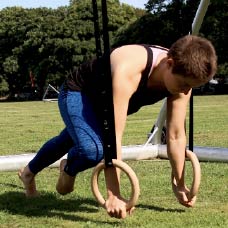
{"points": [[109, 136], [108, 111], [96, 30]]}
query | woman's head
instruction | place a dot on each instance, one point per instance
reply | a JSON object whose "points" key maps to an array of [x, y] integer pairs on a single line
{"points": [[193, 57]]}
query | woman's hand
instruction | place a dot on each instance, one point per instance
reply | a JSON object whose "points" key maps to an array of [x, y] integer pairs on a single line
{"points": [[116, 207], [182, 194]]}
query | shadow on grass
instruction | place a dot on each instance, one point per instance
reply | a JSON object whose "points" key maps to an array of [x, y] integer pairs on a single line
{"points": [[48, 205], [17, 203], [160, 209], [11, 185]]}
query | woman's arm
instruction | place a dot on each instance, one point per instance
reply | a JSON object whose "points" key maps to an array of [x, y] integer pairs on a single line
{"points": [[126, 75], [176, 143]]}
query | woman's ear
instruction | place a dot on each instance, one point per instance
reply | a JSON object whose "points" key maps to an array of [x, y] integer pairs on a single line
{"points": [[169, 63]]}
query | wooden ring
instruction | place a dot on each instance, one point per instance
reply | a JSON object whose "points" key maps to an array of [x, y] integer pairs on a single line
{"points": [[131, 175], [196, 173]]}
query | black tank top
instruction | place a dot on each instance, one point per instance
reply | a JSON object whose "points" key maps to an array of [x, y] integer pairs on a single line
{"points": [[85, 78]]}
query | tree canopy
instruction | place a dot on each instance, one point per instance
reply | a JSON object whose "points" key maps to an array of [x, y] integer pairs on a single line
{"points": [[39, 46]]}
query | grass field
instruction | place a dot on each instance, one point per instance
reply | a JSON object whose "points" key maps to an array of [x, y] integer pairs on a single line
{"points": [[25, 126]]}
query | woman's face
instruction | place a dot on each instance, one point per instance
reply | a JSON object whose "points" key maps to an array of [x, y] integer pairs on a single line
{"points": [[179, 84]]}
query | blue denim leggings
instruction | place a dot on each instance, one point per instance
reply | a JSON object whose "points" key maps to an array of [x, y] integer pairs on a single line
{"points": [[81, 139]]}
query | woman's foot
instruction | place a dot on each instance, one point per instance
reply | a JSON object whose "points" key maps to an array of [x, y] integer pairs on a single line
{"points": [[65, 182], [28, 180]]}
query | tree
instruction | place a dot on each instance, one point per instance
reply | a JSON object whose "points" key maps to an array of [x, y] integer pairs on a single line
{"points": [[47, 43], [4, 87]]}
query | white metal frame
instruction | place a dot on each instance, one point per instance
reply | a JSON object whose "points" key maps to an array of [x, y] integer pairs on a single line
{"points": [[46, 91]]}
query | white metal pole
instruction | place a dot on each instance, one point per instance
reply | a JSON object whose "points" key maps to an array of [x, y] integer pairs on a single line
{"points": [[132, 152], [16, 162], [200, 13]]}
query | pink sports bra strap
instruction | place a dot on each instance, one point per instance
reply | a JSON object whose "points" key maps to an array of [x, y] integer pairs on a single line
{"points": [[156, 51]]}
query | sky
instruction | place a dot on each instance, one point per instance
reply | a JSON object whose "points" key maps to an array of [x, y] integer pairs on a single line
{"points": [[56, 3]]}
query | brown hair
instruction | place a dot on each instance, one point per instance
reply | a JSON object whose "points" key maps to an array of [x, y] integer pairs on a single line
{"points": [[193, 57]]}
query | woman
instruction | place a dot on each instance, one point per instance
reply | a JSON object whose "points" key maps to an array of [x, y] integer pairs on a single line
{"points": [[141, 75]]}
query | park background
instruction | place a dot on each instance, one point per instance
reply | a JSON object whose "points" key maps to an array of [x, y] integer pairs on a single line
{"points": [[38, 46]]}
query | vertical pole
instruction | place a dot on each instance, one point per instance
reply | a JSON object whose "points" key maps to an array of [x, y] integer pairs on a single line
{"points": [[191, 128], [197, 22]]}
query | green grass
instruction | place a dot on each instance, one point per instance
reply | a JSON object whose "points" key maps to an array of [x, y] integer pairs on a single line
{"points": [[26, 126]]}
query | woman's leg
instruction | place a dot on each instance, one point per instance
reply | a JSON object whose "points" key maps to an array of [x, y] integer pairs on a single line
{"points": [[84, 129], [49, 153]]}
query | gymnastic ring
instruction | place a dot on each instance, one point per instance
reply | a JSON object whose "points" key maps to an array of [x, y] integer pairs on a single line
{"points": [[196, 173], [131, 175]]}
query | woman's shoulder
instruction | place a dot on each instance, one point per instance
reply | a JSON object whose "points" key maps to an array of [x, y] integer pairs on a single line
{"points": [[129, 48], [131, 55]]}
